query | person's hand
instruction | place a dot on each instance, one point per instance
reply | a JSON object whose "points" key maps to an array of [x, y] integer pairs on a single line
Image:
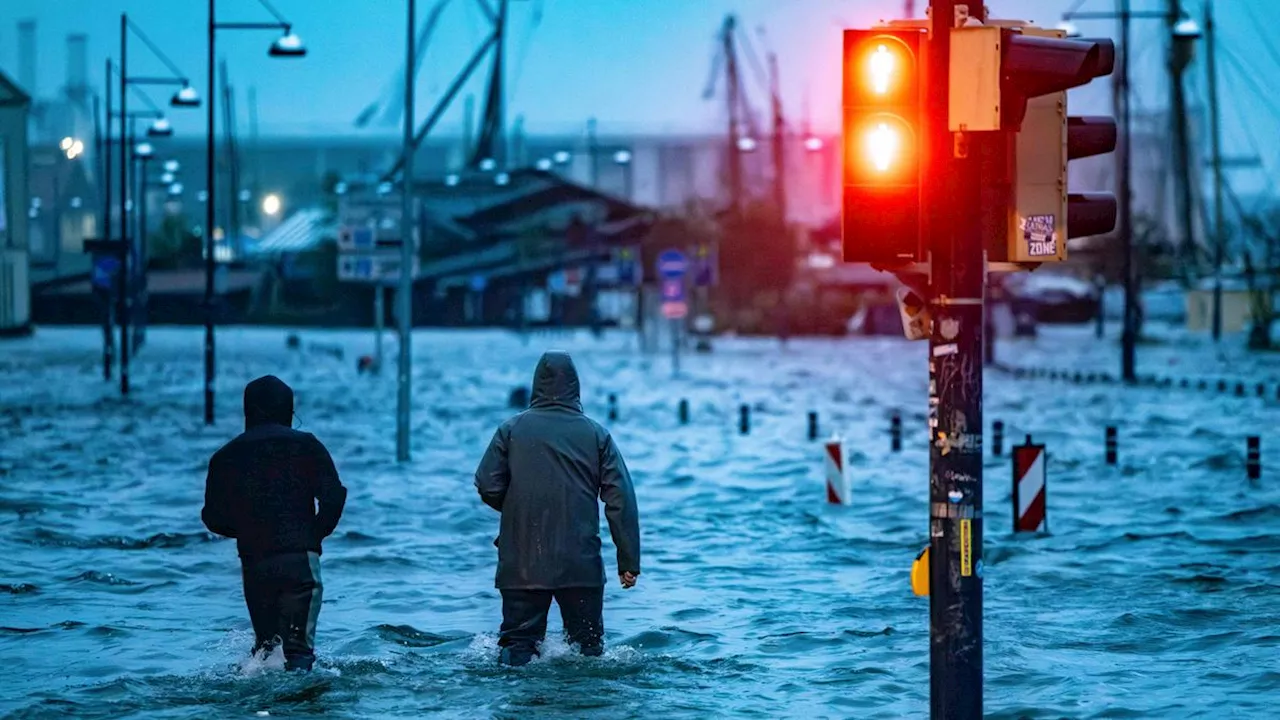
{"points": [[628, 580]]}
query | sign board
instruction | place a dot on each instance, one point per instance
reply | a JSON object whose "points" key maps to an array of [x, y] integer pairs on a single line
{"points": [[356, 238], [372, 267], [105, 268], [674, 305], [627, 262], [705, 266], [607, 274], [672, 264]]}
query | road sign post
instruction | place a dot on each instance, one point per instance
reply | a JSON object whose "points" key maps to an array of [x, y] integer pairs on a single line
{"points": [[673, 268]]}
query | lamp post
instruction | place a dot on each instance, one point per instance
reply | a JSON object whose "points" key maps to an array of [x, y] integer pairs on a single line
{"points": [[288, 45], [1131, 270], [185, 97]]}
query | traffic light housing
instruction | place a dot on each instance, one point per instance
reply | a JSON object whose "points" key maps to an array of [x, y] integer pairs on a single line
{"points": [[1014, 77], [882, 140]]}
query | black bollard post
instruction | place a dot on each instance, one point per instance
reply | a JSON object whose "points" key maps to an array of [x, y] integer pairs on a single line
{"points": [[613, 407], [1253, 457], [813, 425], [683, 411], [1239, 389], [997, 438], [744, 419], [1262, 390], [1222, 386], [895, 432], [1112, 445]]}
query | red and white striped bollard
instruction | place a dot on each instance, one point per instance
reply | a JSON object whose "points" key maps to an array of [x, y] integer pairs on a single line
{"points": [[1029, 511], [838, 491]]}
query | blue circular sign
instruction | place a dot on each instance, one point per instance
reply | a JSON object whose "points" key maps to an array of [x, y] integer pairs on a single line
{"points": [[672, 264]]}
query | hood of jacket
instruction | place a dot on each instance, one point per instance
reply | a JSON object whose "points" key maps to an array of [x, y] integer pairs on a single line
{"points": [[555, 383], [268, 401]]}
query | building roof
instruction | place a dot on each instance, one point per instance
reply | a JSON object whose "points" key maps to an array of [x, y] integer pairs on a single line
{"points": [[10, 93]]}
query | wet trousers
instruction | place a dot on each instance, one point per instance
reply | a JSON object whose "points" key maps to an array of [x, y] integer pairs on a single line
{"points": [[524, 621], [283, 593]]}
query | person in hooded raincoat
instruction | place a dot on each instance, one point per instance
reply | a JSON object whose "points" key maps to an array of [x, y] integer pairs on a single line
{"points": [[546, 471], [263, 489]]}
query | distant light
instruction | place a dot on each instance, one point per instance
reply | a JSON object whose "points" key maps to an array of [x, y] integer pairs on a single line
{"points": [[622, 157], [36, 202], [171, 166], [218, 234], [271, 204], [288, 46], [186, 97], [160, 128], [168, 178], [245, 196], [72, 147], [882, 65], [813, 143], [543, 164], [1070, 28], [488, 164], [76, 202], [203, 196], [452, 180], [746, 144], [33, 213], [128, 206], [143, 150], [340, 188], [176, 189], [502, 178], [562, 157], [1187, 29], [385, 188]]}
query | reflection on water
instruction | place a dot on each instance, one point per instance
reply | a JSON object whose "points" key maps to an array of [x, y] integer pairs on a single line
{"points": [[1155, 595]]}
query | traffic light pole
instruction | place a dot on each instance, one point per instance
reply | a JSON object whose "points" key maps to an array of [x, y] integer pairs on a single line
{"points": [[958, 263]]}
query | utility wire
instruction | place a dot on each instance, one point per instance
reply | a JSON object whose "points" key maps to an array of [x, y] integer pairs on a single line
{"points": [[178, 74]]}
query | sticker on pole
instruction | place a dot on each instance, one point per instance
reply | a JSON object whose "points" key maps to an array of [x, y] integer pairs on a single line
{"points": [[1039, 233], [966, 548]]}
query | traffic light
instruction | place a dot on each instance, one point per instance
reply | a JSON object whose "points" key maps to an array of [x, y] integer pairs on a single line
{"points": [[882, 145], [1015, 78]]}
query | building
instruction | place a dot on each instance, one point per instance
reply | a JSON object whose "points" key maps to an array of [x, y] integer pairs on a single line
{"points": [[15, 283]]}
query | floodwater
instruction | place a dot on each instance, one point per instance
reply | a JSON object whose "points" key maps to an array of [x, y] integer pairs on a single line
{"points": [[1157, 594]]}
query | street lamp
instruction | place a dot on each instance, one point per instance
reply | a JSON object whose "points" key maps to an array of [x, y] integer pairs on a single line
{"points": [[287, 46], [160, 128], [747, 144], [180, 99], [1124, 222], [561, 157], [171, 166], [813, 144], [544, 164], [271, 205]]}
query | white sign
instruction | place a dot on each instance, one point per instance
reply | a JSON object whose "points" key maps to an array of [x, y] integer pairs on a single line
{"points": [[382, 267]]}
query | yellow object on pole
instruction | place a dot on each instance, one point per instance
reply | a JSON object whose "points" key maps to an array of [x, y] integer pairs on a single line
{"points": [[920, 573]]}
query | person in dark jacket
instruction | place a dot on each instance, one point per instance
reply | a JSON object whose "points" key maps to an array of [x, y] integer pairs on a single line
{"points": [[262, 490], [546, 470]]}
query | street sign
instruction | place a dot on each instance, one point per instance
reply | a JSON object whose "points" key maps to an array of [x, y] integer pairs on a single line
{"points": [[356, 238], [627, 263], [105, 268], [705, 266], [372, 267], [672, 264], [674, 305]]}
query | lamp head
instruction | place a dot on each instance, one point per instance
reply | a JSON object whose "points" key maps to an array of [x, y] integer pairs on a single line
{"points": [[187, 97], [288, 45]]}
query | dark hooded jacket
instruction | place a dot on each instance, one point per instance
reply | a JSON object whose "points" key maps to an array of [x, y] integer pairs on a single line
{"points": [[263, 486], [546, 470]]}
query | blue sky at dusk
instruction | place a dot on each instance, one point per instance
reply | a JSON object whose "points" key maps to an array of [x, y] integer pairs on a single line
{"points": [[636, 65]]}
